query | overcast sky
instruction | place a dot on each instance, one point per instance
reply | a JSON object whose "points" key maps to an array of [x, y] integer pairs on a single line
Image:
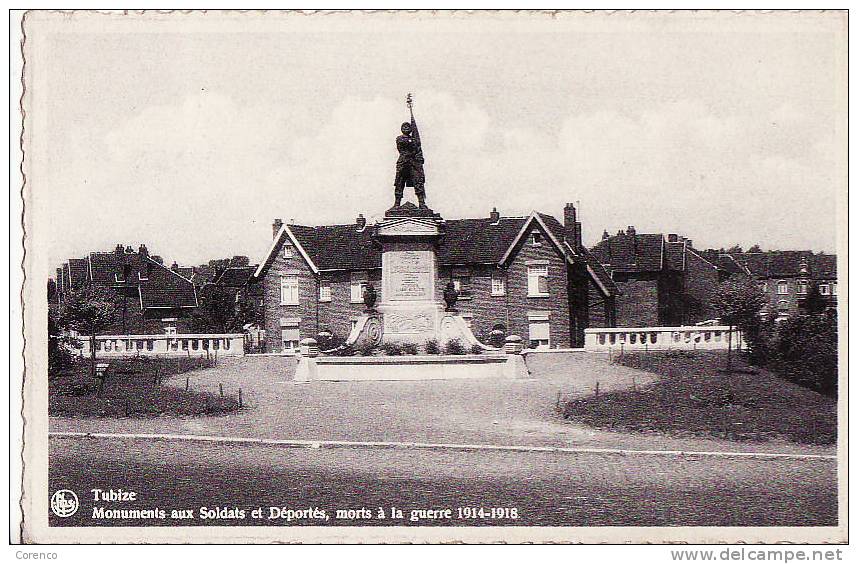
{"points": [[193, 140]]}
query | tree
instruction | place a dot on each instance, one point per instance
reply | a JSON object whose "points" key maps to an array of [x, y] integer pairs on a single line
{"points": [[755, 249], [88, 310], [738, 302], [224, 310], [806, 351], [734, 249], [813, 302]]}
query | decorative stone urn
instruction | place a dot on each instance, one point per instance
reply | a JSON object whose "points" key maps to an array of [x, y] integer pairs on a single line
{"points": [[451, 295], [369, 298]]}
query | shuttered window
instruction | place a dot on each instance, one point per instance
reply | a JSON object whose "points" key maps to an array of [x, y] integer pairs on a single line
{"points": [[537, 281], [289, 290]]}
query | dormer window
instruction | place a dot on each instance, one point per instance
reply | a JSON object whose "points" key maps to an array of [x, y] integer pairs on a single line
{"points": [[141, 277], [536, 238], [783, 287], [288, 251], [802, 286], [824, 289], [119, 277]]}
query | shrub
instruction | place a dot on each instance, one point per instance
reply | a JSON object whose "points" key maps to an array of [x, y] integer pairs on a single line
{"points": [[366, 349], [454, 346], [805, 352], [409, 348], [476, 349], [432, 347], [328, 342], [392, 349]]}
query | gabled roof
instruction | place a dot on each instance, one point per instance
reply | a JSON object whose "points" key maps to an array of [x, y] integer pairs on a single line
{"points": [[599, 273], [78, 272], [639, 252], [235, 276], [464, 242], [774, 264], [158, 286]]}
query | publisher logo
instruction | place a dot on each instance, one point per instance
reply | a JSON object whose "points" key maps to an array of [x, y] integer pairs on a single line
{"points": [[64, 503]]}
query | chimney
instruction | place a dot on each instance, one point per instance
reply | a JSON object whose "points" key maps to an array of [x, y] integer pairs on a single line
{"points": [[572, 225], [620, 232], [360, 221], [143, 251], [605, 235], [494, 215], [689, 243], [174, 267], [672, 238], [275, 227], [631, 230], [129, 250], [119, 249]]}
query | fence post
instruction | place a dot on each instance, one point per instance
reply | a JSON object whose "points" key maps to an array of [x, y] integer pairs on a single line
{"points": [[597, 388], [187, 383], [220, 387], [240, 404]]}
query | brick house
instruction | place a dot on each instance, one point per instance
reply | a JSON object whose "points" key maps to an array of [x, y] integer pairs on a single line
{"points": [[153, 298], [522, 275], [662, 280], [785, 277]]}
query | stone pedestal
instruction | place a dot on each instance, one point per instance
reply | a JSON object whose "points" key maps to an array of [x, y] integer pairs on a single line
{"points": [[409, 271]]}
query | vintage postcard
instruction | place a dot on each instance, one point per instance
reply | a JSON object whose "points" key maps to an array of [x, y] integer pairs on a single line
{"points": [[427, 276]]}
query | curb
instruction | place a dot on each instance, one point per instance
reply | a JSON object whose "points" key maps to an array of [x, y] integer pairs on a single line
{"points": [[296, 443]]}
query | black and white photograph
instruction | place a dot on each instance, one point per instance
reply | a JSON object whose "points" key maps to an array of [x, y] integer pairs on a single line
{"points": [[434, 276]]}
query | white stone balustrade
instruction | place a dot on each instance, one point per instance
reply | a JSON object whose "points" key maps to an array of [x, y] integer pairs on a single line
{"points": [[192, 344], [696, 337]]}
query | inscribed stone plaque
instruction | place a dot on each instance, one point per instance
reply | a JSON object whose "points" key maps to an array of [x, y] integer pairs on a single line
{"points": [[409, 275]]}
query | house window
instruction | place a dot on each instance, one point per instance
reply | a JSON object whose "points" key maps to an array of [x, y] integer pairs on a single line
{"points": [[142, 278], [763, 286], [357, 289], [536, 238], [119, 277], [468, 318], [290, 337], [498, 284], [324, 291], [539, 335], [169, 330], [802, 286], [288, 251], [353, 323], [824, 289], [834, 288], [783, 287], [537, 281], [289, 290], [783, 305]]}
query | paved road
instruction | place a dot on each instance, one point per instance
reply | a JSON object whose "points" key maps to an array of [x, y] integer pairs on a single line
{"points": [[545, 489], [496, 411]]}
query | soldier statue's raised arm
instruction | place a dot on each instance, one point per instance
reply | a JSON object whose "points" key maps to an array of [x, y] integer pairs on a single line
{"points": [[409, 165]]}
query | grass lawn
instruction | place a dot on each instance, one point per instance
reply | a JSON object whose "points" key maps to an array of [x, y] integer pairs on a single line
{"points": [[695, 397], [133, 389]]}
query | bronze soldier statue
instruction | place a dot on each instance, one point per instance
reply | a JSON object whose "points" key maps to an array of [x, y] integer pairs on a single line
{"points": [[409, 166]]}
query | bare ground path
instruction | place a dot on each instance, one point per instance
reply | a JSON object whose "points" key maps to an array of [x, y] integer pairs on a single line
{"points": [[487, 411]]}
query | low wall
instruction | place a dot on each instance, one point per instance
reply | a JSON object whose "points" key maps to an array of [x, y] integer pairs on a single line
{"points": [[697, 337], [446, 367], [195, 344]]}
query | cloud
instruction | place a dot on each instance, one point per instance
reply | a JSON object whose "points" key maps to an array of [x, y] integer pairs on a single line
{"points": [[204, 176]]}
